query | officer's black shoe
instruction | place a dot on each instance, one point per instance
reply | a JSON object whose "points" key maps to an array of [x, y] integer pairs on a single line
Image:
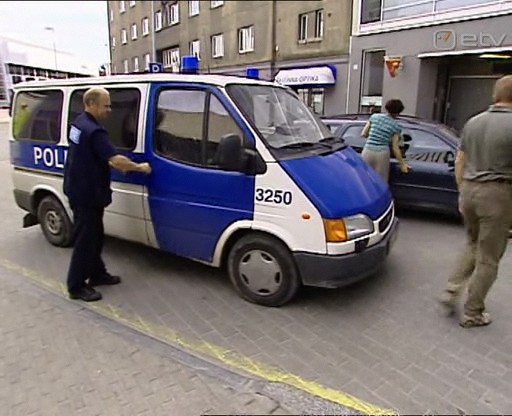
{"points": [[86, 293], [106, 279]]}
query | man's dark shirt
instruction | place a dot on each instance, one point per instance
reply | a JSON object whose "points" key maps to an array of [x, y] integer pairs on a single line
{"points": [[86, 170]]}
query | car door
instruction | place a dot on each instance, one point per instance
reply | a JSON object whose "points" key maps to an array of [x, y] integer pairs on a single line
{"points": [[191, 200], [430, 183], [124, 217]]}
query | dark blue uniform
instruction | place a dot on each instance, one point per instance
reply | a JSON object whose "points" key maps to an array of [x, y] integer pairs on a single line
{"points": [[87, 186]]}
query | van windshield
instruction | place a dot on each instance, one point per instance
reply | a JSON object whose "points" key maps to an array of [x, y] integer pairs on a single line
{"points": [[279, 116]]}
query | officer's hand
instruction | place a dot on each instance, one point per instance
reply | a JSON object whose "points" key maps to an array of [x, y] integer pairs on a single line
{"points": [[144, 168]]}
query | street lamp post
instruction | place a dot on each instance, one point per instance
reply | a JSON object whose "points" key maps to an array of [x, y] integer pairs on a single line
{"points": [[52, 29]]}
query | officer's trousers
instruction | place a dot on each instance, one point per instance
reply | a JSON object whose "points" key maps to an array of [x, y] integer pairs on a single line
{"points": [[86, 260], [486, 208]]}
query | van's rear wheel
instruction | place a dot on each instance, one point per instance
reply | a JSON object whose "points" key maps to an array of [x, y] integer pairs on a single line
{"points": [[54, 221], [263, 271]]}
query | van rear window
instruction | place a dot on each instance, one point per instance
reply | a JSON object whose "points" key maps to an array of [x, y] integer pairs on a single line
{"points": [[122, 123], [37, 116]]}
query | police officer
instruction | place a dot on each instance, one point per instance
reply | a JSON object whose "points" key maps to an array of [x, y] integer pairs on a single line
{"points": [[483, 171], [87, 186]]}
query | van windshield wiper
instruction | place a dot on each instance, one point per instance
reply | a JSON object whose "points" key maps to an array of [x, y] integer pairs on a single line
{"points": [[297, 145], [332, 138]]}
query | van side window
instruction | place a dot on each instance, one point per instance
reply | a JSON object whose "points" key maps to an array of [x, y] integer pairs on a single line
{"points": [[220, 123], [179, 125], [122, 123], [37, 115]]}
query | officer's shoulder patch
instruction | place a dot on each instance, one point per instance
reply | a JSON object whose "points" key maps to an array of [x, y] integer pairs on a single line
{"points": [[74, 134]]}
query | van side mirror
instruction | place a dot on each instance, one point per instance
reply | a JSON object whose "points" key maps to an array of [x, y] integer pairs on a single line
{"points": [[254, 164], [232, 156], [229, 153]]}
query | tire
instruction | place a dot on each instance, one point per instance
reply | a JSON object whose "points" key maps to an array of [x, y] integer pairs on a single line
{"points": [[254, 254], [54, 221]]}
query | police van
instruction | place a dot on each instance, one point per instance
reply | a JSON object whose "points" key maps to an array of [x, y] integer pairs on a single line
{"points": [[244, 177]]}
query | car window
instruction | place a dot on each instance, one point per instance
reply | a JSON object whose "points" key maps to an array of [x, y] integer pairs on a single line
{"points": [[352, 136], [179, 125], [425, 146], [37, 115], [122, 122]]}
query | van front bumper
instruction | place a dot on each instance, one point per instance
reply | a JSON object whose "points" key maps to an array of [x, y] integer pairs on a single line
{"points": [[336, 271]]}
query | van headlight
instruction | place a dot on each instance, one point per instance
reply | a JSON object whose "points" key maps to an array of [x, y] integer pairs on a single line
{"points": [[348, 228]]}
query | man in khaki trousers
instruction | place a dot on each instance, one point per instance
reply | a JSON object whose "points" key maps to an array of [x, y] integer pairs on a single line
{"points": [[483, 171]]}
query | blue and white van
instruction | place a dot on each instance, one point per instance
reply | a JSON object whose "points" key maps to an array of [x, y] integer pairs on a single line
{"points": [[243, 176]]}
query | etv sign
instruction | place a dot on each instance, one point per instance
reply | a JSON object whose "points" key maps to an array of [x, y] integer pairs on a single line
{"points": [[449, 40]]}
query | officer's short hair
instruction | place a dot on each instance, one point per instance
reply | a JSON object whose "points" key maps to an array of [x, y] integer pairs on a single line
{"points": [[503, 90], [92, 94]]}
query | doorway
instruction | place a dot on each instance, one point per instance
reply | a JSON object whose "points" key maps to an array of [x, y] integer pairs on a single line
{"points": [[467, 96]]}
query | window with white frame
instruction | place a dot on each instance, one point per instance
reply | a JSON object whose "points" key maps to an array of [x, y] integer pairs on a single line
{"points": [[388, 10], [171, 58], [125, 66], [158, 21], [113, 41], [134, 31], [303, 27], [193, 7], [124, 37], [136, 64], [319, 24], [173, 13], [132, 3], [311, 26], [457, 4], [218, 46], [147, 60], [194, 48], [246, 39], [145, 26], [122, 6], [216, 3]]}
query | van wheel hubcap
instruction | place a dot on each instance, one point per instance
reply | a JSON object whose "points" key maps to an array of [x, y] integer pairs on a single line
{"points": [[53, 222], [260, 272]]}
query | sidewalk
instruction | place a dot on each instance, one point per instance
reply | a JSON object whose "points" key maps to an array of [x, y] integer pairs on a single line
{"points": [[57, 358]]}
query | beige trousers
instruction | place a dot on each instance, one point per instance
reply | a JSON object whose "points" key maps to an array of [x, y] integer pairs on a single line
{"points": [[487, 211], [379, 161]]}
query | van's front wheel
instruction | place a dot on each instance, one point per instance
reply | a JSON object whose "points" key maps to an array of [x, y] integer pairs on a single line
{"points": [[263, 271], [55, 223]]}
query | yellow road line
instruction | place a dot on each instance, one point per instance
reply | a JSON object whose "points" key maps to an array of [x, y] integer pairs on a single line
{"points": [[227, 357]]}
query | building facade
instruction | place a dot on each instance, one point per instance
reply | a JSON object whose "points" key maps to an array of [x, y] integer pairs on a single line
{"points": [[303, 44], [22, 61], [440, 57]]}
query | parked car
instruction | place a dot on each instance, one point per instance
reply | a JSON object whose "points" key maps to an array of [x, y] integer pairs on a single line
{"points": [[429, 150]]}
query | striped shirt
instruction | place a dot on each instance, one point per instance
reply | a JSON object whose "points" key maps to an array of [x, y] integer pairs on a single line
{"points": [[382, 129]]}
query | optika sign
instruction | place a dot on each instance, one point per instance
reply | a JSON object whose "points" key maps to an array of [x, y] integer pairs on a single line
{"points": [[303, 79], [449, 40]]}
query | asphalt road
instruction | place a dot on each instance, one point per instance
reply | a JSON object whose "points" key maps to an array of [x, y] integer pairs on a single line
{"points": [[381, 342]]}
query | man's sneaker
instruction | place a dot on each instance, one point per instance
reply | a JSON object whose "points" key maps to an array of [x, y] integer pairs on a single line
{"points": [[468, 321], [106, 279], [448, 301], [86, 293]]}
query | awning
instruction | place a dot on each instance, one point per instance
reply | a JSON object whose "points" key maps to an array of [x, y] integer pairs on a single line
{"points": [[465, 52], [314, 76]]}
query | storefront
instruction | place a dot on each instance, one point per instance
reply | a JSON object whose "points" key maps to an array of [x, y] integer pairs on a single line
{"points": [[317, 85], [309, 83], [441, 72]]}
